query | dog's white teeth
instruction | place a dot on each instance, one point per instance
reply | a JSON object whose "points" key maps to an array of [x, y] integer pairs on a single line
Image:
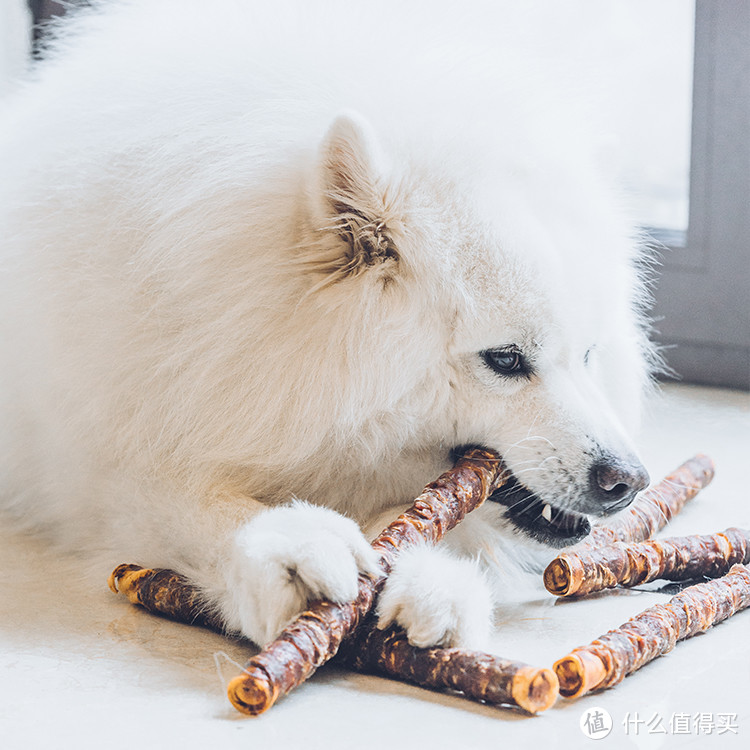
{"points": [[547, 512]]}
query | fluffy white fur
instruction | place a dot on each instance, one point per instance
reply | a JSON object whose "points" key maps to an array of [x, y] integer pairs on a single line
{"points": [[252, 255]]}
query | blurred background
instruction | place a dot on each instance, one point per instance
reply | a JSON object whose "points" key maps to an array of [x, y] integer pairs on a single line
{"points": [[670, 83]]}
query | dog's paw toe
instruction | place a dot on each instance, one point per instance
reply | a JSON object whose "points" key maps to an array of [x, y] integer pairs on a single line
{"points": [[288, 556], [438, 599]]}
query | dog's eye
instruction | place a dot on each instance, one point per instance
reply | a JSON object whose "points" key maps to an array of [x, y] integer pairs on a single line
{"points": [[506, 361]]}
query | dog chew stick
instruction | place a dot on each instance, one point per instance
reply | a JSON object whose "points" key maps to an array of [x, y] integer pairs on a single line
{"points": [[315, 636], [655, 507], [680, 558], [650, 512], [477, 675], [164, 592], [609, 659]]}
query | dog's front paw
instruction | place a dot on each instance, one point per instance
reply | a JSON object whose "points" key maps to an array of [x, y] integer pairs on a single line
{"points": [[438, 600], [287, 556]]}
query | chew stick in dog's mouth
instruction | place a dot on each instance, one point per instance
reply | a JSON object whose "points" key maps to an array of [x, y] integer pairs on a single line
{"points": [[548, 524]]}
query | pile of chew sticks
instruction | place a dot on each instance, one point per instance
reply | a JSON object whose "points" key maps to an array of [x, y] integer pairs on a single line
{"points": [[618, 553]]}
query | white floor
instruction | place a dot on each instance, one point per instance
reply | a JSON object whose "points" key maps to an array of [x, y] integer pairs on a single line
{"points": [[83, 668]]}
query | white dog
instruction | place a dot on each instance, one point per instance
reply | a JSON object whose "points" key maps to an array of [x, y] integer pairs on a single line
{"points": [[263, 272]]}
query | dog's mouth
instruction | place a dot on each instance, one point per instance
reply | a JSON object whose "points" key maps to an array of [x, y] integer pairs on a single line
{"points": [[543, 521]]}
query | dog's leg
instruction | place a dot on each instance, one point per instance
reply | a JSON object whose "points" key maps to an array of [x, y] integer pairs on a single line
{"points": [[286, 556], [257, 566], [438, 598]]}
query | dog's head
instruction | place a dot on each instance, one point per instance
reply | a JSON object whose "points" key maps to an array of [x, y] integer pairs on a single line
{"points": [[492, 304]]}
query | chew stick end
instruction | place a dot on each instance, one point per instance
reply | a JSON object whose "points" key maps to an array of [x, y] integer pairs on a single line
{"points": [[126, 578], [579, 674], [252, 692], [534, 689], [707, 468], [558, 577]]}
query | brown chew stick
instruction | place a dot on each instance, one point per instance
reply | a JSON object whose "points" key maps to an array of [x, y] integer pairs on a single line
{"points": [[164, 592], [479, 676], [609, 659], [655, 507], [679, 558], [315, 636]]}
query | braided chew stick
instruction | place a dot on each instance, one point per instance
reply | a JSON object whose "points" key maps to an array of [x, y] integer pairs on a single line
{"points": [[680, 558], [315, 636], [609, 659], [655, 507], [479, 676], [164, 592]]}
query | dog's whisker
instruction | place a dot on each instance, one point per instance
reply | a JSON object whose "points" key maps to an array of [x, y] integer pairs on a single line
{"points": [[527, 462], [551, 458], [529, 470], [530, 438]]}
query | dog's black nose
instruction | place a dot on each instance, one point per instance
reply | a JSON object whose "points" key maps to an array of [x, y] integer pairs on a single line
{"points": [[615, 482]]}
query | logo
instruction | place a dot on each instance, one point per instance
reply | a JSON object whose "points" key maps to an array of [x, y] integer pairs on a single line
{"points": [[596, 723]]}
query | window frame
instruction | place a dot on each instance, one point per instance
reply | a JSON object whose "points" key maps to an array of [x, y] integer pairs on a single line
{"points": [[703, 294]]}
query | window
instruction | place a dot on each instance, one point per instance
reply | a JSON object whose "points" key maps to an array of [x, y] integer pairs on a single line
{"points": [[703, 295]]}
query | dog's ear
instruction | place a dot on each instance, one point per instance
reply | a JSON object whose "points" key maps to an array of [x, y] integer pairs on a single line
{"points": [[352, 177]]}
